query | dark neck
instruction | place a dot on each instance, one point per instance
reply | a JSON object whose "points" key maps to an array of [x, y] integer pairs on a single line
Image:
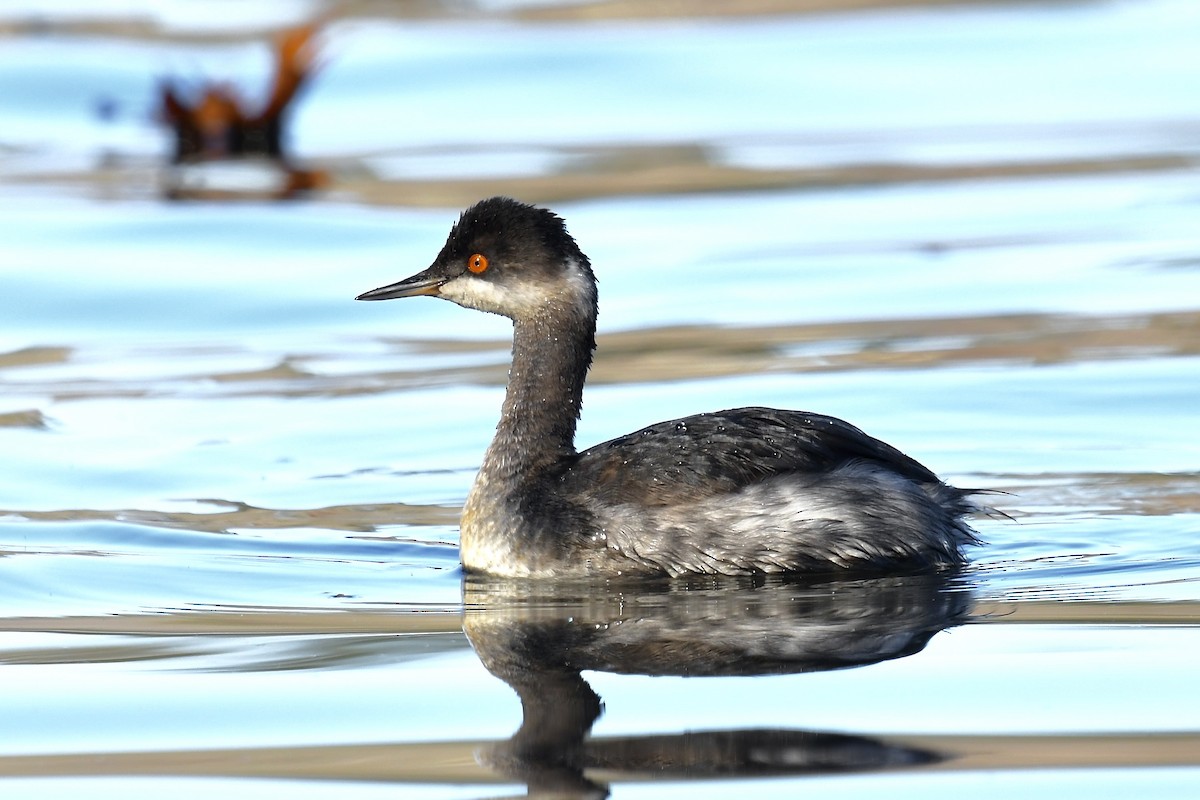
{"points": [[551, 356]]}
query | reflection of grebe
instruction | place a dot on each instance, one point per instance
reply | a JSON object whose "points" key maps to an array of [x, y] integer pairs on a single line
{"points": [[539, 637], [749, 490]]}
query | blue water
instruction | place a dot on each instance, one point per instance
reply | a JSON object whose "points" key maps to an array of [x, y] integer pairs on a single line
{"points": [[229, 499]]}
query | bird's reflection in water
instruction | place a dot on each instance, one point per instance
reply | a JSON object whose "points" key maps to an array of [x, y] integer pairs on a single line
{"points": [[538, 639]]}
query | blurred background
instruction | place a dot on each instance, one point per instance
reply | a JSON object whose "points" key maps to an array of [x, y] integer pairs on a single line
{"points": [[970, 228]]}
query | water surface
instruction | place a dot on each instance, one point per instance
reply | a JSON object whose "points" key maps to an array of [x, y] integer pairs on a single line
{"points": [[228, 519]]}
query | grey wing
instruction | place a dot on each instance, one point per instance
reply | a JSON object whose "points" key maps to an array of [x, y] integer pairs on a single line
{"points": [[710, 454]]}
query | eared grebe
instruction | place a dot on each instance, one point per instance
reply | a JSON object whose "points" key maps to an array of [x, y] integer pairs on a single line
{"points": [[744, 491]]}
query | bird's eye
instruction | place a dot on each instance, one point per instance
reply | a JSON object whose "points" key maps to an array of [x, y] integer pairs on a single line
{"points": [[477, 263]]}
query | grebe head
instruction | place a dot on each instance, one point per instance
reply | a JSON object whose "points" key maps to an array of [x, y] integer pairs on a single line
{"points": [[508, 258]]}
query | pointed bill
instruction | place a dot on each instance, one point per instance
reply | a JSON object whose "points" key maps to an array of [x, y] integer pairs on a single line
{"points": [[423, 283]]}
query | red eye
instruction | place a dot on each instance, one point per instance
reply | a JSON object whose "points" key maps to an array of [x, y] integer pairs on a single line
{"points": [[477, 263]]}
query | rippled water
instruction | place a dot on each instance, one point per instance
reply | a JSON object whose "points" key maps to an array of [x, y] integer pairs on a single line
{"points": [[228, 513]]}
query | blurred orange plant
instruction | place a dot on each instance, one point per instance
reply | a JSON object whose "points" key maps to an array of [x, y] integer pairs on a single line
{"points": [[217, 126]]}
